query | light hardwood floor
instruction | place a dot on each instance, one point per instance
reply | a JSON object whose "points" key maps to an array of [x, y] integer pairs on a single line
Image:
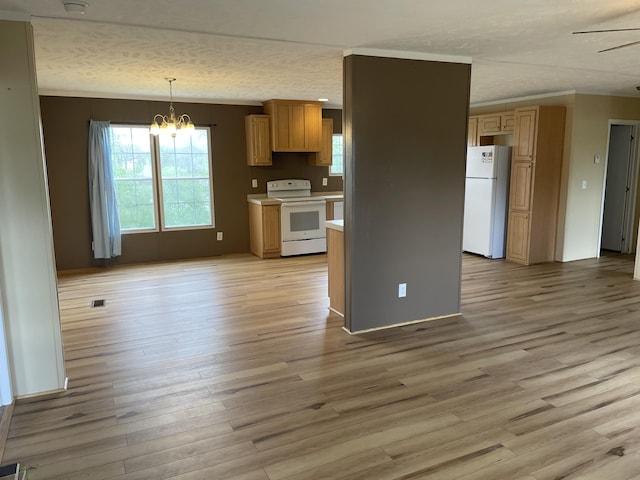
{"points": [[234, 368]]}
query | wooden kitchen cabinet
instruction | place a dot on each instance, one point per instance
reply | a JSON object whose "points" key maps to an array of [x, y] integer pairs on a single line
{"points": [[324, 157], [496, 123], [264, 230], [520, 191], [472, 132], [258, 132], [518, 236], [296, 126], [535, 183], [524, 141]]}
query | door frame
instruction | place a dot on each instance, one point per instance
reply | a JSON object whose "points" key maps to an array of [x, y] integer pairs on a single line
{"points": [[634, 170]]}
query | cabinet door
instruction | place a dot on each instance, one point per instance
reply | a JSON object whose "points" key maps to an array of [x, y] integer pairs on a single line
{"points": [[524, 134], [507, 122], [280, 126], [472, 132], [520, 186], [518, 237], [324, 157], [271, 228], [258, 140], [489, 124], [297, 133], [313, 128]]}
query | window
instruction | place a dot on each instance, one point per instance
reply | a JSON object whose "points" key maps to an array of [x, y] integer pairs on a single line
{"points": [[337, 161], [162, 180]]}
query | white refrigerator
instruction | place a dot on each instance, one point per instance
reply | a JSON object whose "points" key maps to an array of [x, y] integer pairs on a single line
{"points": [[486, 200]]}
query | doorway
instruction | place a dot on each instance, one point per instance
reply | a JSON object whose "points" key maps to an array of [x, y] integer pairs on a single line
{"points": [[619, 222]]}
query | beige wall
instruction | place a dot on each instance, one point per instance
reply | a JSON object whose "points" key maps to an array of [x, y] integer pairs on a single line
{"points": [[586, 134], [590, 137]]}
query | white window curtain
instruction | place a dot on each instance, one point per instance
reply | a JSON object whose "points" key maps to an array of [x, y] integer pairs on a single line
{"points": [[105, 222]]}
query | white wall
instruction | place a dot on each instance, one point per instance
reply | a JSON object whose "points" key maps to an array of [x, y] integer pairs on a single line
{"points": [[32, 322]]}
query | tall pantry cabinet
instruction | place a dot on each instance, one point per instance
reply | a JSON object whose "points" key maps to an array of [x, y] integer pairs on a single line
{"points": [[535, 183]]}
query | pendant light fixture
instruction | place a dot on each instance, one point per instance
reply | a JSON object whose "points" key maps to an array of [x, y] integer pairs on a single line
{"points": [[170, 124]]}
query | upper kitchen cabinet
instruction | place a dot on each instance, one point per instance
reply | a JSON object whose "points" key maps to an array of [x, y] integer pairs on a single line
{"points": [[296, 126], [535, 183], [258, 133], [496, 123], [324, 157]]}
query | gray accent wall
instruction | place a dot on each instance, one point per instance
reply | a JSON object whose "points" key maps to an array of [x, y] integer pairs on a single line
{"points": [[405, 126]]}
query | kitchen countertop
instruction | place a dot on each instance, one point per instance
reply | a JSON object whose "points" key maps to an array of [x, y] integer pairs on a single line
{"points": [[335, 225], [261, 198]]}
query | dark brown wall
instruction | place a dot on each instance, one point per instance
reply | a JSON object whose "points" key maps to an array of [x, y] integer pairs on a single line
{"points": [[65, 125], [405, 146]]}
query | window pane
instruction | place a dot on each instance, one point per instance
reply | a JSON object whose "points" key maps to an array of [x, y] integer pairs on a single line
{"points": [[142, 166], [144, 193], [337, 160], [133, 177], [183, 165], [168, 165], [186, 180], [200, 165]]}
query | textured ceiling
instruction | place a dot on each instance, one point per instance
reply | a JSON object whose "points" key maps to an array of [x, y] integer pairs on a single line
{"points": [[247, 51]]}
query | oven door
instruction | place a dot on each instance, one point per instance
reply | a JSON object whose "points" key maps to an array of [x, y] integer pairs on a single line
{"points": [[303, 220]]}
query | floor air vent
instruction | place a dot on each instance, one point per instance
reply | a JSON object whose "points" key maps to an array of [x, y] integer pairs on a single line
{"points": [[97, 303]]}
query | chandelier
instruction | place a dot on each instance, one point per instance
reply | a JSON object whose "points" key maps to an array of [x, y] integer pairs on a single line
{"points": [[171, 124]]}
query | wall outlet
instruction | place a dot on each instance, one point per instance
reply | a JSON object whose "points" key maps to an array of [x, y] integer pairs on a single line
{"points": [[596, 158], [402, 290], [324, 181], [584, 184], [254, 182], [219, 236]]}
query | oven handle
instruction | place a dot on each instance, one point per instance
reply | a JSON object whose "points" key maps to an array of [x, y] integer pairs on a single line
{"points": [[303, 204]]}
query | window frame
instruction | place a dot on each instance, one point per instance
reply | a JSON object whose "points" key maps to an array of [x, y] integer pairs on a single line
{"points": [[157, 189]]}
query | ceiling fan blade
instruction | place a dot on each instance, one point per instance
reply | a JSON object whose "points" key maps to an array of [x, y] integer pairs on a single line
{"points": [[607, 31], [619, 46]]}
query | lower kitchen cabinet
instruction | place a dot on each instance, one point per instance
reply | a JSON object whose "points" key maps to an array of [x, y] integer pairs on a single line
{"points": [[264, 230]]}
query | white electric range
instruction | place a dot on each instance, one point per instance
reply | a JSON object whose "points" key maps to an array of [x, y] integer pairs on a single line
{"points": [[302, 217]]}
